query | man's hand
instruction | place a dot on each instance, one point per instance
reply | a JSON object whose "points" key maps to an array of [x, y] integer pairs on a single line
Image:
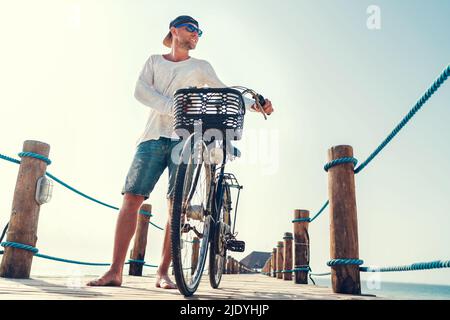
{"points": [[268, 109]]}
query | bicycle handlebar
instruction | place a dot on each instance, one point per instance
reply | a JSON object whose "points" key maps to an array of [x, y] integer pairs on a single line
{"points": [[261, 103], [259, 99]]}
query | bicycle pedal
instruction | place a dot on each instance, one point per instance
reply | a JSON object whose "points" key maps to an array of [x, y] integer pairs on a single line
{"points": [[235, 245]]}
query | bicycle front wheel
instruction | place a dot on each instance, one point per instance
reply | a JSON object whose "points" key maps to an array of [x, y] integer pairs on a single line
{"points": [[191, 219]]}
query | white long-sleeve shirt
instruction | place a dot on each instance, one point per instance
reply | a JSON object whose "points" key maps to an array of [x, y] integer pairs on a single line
{"points": [[157, 83]]}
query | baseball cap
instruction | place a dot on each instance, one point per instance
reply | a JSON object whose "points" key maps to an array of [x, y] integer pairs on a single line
{"points": [[177, 21]]}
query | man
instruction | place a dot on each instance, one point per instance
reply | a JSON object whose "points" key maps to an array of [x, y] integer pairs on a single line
{"points": [[161, 76]]}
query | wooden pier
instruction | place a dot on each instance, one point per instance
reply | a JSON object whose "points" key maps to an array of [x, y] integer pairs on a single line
{"points": [[233, 287], [286, 272]]}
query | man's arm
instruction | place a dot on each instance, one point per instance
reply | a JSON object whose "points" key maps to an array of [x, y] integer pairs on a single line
{"points": [[146, 93]]}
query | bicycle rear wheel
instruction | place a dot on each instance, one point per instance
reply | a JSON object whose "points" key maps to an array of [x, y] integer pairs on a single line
{"points": [[191, 221], [218, 251]]}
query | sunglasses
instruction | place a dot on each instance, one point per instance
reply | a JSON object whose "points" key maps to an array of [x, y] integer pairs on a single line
{"points": [[191, 28]]}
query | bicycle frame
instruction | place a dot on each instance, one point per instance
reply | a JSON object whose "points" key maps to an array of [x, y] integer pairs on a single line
{"points": [[219, 186], [217, 191], [215, 209]]}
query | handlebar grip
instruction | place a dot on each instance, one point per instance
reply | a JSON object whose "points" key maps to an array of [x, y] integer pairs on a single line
{"points": [[261, 100]]}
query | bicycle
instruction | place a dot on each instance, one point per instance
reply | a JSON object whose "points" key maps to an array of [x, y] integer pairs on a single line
{"points": [[201, 214]]}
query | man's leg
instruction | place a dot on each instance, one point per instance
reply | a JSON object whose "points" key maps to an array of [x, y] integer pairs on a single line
{"points": [[162, 275], [125, 229]]}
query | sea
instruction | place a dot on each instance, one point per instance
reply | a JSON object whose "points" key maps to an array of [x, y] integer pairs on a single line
{"points": [[398, 290]]}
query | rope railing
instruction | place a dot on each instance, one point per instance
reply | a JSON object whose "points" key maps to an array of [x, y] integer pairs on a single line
{"points": [[36, 253], [418, 105], [417, 266], [410, 267], [342, 192], [315, 216], [38, 156], [134, 270]]}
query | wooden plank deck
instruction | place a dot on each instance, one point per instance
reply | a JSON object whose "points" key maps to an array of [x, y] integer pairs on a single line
{"points": [[243, 287]]}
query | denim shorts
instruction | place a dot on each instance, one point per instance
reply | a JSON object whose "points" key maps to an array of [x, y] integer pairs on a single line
{"points": [[151, 159]]}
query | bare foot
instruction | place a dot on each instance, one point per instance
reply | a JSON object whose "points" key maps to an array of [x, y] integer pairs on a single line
{"points": [[109, 279], [164, 282]]}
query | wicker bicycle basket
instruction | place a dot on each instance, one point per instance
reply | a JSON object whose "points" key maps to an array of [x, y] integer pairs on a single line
{"points": [[209, 108]]}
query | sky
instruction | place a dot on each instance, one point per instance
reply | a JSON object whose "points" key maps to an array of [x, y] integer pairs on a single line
{"points": [[68, 71]]}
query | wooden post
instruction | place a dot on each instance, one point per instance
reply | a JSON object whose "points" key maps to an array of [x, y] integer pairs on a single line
{"points": [[274, 262], [280, 259], [269, 266], [140, 242], [287, 264], [301, 246], [23, 223], [231, 265], [225, 271], [195, 252], [343, 221], [266, 268], [229, 271]]}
